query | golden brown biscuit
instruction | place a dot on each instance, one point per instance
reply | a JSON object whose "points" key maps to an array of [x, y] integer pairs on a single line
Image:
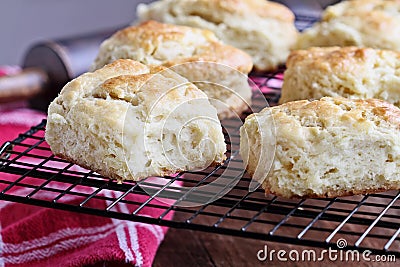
{"points": [[348, 72], [325, 148], [263, 29], [186, 50], [126, 121], [363, 23]]}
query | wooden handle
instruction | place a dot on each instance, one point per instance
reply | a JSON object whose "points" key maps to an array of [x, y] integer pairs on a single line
{"points": [[23, 86]]}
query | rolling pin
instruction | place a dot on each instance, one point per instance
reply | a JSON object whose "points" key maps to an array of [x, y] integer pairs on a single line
{"points": [[48, 66]]}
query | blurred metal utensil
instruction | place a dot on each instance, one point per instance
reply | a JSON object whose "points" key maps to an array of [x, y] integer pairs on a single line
{"points": [[48, 66]]}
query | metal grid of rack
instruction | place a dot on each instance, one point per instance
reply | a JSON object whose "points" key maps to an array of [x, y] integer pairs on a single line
{"points": [[30, 174]]}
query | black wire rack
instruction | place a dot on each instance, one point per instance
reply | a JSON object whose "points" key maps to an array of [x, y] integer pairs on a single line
{"points": [[30, 174]]}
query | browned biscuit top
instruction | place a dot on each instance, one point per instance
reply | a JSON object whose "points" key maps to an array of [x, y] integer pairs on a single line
{"points": [[168, 45]]}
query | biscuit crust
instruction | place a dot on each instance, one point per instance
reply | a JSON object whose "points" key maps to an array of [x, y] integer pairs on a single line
{"points": [[124, 121], [327, 148], [350, 72], [218, 69], [263, 29], [363, 23], [168, 45]]}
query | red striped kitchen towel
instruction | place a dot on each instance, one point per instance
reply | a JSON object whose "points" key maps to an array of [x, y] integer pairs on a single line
{"points": [[36, 236]]}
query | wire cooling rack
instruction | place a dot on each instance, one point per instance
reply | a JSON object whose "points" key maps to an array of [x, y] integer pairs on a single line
{"points": [[30, 174]]}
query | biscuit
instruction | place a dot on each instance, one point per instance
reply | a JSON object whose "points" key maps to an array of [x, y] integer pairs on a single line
{"points": [[325, 148], [126, 121], [263, 29], [363, 23], [188, 52], [349, 72]]}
